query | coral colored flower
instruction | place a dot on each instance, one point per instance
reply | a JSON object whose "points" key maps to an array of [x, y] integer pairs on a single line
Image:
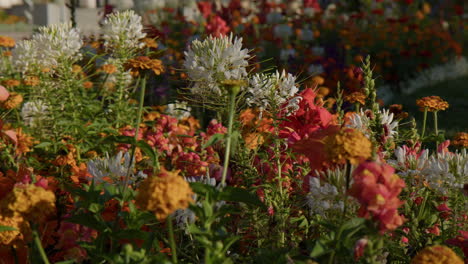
{"points": [[164, 195], [376, 187], [437, 254], [443, 147], [359, 248], [13, 101], [435, 230], [205, 8]]}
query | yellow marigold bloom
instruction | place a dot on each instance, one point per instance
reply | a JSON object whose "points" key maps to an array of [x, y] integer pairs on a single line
{"points": [[13, 101], [7, 42], [109, 68], [432, 103], [164, 194], [31, 81], [76, 68], [32, 202], [348, 145], [144, 63], [461, 140], [16, 221], [436, 255], [356, 97]]}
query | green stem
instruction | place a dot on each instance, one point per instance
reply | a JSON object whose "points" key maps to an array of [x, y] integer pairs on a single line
{"points": [[38, 243], [137, 128], [171, 239], [424, 123], [232, 103], [435, 124]]}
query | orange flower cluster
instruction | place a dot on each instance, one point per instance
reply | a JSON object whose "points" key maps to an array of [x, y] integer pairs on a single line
{"points": [[7, 42], [397, 111], [432, 103], [150, 43], [164, 194], [348, 145], [144, 63], [461, 140], [31, 81], [109, 68], [356, 97], [13, 237], [254, 129], [437, 254]]}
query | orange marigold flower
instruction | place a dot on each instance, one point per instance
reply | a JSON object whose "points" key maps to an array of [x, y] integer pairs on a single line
{"points": [[109, 68], [11, 83], [144, 63], [437, 254], [88, 85], [150, 43], [13, 101], [432, 103], [17, 222], [348, 145], [7, 42], [356, 97], [76, 68], [24, 142], [461, 140], [397, 110], [7, 53], [32, 202], [31, 81], [164, 194], [318, 80]]}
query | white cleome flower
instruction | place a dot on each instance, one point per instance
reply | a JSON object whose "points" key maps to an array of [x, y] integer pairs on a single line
{"points": [[323, 198], [123, 31], [179, 109], [214, 60], [446, 172], [50, 47], [272, 90], [114, 168], [361, 122], [409, 165], [34, 112]]}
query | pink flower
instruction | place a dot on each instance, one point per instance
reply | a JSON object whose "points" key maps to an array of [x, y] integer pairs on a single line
{"points": [[4, 94], [443, 147], [404, 240], [217, 27], [359, 248], [443, 208], [434, 230]]}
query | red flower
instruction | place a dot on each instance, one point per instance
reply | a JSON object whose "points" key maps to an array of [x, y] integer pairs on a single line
{"points": [[205, 8], [217, 27], [460, 241]]}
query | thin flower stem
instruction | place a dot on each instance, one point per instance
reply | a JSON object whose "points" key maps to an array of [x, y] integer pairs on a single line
{"points": [[38, 243], [435, 124], [171, 239], [232, 103], [424, 123], [140, 112]]}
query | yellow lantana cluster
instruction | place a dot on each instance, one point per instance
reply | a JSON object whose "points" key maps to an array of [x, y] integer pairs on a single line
{"points": [[432, 103], [348, 145], [31, 202], [164, 194], [22, 229], [436, 254]]}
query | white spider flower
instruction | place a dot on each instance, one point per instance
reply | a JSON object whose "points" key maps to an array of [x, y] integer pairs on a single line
{"points": [[323, 197], [25, 56], [268, 90], [114, 168], [179, 109], [34, 112], [447, 171], [123, 31], [214, 60], [362, 122], [409, 164]]}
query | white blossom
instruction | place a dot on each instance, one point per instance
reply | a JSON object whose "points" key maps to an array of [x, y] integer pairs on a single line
{"points": [[213, 60], [113, 168], [25, 56], [361, 122], [34, 112], [268, 90], [323, 197], [123, 31]]}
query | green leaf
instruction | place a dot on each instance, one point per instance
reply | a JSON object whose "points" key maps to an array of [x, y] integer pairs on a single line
{"points": [[233, 194], [202, 188], [87, 220], [318, 249], [7, 228], [95, 207], [148, 150], [213, 139]]}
